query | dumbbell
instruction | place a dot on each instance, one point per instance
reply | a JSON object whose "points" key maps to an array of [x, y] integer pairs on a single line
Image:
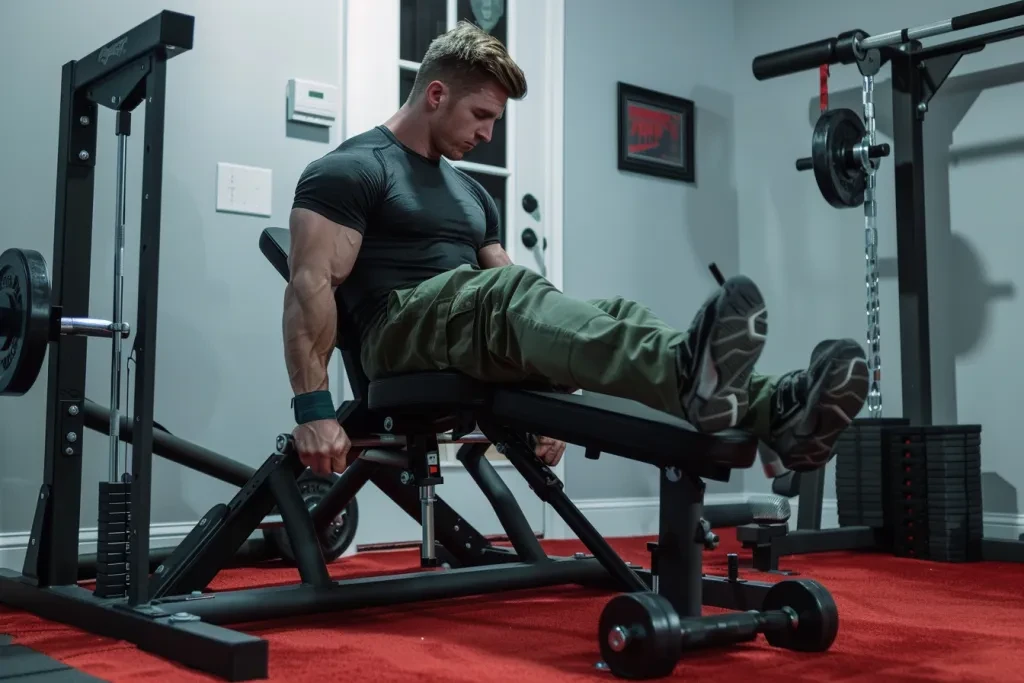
{"points": [[642, 636]]}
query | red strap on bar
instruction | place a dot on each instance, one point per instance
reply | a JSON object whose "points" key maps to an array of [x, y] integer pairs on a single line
{"points": [[823, 73]]}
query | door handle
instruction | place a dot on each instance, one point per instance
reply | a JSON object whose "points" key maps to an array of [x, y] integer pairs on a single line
{"points": [[531, 206], [529, 238]]}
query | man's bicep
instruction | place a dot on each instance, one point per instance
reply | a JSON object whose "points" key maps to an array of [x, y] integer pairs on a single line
{"points": [[320, 247]]}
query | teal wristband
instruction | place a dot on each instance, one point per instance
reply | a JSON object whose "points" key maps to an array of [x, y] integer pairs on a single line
{"points": [[316, 405]]}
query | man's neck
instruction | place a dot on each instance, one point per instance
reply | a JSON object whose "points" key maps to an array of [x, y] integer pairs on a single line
{"points": [[412, 132]]}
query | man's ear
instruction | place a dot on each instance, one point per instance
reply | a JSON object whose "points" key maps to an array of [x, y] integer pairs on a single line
{"points": [[435, 94]]}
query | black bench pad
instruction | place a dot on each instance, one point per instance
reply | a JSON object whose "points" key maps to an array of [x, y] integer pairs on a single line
{"points": [[622, 427], [427, 392], [607, 423]]}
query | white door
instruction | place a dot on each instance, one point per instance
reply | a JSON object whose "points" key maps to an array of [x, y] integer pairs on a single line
{"points": [[383, 41]]}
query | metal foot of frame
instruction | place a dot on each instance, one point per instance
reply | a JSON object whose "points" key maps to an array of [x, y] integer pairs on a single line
{"points": [[177, 637]]}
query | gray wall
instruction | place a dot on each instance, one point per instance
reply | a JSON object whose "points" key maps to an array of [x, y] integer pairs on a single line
{"points": [[809, 258], [220, 377], [636, 236]]}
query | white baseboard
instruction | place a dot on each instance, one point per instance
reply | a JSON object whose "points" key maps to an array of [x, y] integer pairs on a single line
{"points": [[13, 544], [621, 517], [829, 513], [612, 517]]}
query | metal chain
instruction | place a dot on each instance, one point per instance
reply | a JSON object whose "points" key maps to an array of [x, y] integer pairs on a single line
{"points": [[874, 400]]}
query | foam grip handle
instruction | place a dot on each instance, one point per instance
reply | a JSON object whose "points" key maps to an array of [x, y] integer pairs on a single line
{"points": [[987, 16], [795, 59]]}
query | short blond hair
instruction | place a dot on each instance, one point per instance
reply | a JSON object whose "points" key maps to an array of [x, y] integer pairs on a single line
{"points": [[465, 57]]}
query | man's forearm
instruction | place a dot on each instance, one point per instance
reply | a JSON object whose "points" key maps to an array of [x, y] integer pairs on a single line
{"points": [[493, 256], [310, 331]]}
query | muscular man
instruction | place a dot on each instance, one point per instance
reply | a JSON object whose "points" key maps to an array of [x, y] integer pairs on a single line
{"points": [[387, 228]]}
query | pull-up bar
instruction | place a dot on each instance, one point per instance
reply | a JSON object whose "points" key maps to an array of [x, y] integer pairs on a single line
{"points": [[848, 47]]}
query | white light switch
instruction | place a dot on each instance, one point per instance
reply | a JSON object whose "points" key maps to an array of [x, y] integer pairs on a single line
{"points": [[244, 189]]}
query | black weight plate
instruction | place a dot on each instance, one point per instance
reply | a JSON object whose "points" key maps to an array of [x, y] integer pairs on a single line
{"points": [[840, 178], [817, 615], [335, 539], [639, 636], [24, 319]]}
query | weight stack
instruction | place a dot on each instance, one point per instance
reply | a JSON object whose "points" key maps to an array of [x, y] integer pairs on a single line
{"points": [[861, 473], [935, 476], [112, 545]]}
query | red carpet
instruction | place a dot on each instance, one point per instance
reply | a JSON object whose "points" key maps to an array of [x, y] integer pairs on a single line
{"points": [[900, 620]]}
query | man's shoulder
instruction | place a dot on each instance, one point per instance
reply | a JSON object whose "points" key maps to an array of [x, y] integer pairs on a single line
{"points": [[370, 140], [359, 155]]}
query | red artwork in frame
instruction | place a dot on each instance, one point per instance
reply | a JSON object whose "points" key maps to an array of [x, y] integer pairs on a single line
{"points": [[655, 133]]}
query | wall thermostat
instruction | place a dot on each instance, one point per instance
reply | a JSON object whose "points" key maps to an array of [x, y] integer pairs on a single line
{"points": [[312, 103]]}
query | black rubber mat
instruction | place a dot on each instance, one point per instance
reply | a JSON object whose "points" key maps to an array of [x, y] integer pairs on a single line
{"points": [[20, 664]]}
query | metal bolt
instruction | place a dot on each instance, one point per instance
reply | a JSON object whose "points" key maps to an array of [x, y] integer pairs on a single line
{"points": [[113, 99], [673, 474], [202, 522], [455, 528], [84, 120], [468, 546], [69, 451], [73, 410], [184, 616], [83, 155], [388, 424], [160, 569], [922, 107], [31, 541], [406, 477], [72, 437], [618, 638]]}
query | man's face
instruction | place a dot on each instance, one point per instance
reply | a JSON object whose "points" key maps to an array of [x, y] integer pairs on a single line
{"points": [[460, 123]]}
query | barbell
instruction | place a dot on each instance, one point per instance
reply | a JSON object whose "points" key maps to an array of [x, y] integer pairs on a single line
{"points": [[28, 321], [841, 155]]}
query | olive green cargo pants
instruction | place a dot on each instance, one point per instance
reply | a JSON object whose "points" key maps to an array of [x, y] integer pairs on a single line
{"points": [[510, 325]]}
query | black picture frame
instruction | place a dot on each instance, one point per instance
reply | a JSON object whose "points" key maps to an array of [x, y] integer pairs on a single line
{"points": [[662, 154]]}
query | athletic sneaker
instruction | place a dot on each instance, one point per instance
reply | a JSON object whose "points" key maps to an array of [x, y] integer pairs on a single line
{"points": [[718, 355], [812, 407]]}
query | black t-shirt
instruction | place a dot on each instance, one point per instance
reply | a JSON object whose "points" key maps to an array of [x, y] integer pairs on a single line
{"points": [[418, 217]]}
